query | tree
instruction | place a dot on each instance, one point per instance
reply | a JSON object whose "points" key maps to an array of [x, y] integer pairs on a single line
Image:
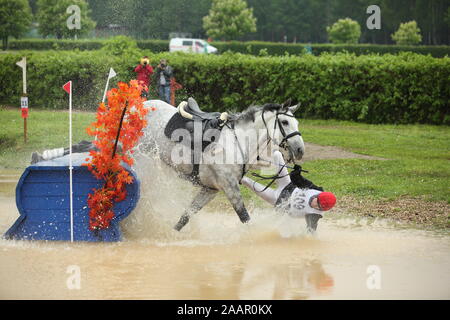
{"points": [[407, 34], [299, 20], [229, 19], [166, 16], [447, 16], [15, 18], [344, 31], [53, 18]]}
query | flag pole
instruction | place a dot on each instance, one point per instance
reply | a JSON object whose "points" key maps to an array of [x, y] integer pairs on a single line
{"points": [[24, 100], [68, 88], [70, 163], [106, 89]]}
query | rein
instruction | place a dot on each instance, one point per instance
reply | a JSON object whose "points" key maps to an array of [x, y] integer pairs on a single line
{"points": [[273, 178]]}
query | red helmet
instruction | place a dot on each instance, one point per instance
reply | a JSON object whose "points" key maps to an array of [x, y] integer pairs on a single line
{"points": [[326, 200]]}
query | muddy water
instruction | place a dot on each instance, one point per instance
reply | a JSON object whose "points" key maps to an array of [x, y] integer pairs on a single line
{"points": [[216, 257]]}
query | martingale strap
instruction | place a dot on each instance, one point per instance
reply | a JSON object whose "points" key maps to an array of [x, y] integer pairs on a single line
{"points": [[244, 166]]}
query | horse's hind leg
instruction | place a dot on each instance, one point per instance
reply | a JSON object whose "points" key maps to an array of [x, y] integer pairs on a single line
{"points": [[201, 199]]}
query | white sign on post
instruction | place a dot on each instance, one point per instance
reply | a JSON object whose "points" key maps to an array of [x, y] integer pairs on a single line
{"points": [[24, 102], [24, 99]]}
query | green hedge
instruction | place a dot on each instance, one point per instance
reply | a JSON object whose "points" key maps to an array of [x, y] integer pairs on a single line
{"points": [[405, 88], [83, 45], [251, 47], [363, 49], [154, 45], [53, 44], [279, 49]]}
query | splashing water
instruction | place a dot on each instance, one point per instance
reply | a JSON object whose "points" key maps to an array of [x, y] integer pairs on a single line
{"points": [[216, 257]]}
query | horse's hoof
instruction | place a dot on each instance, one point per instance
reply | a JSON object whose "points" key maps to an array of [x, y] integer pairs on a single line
{"points": [[244, 218], [180, 225]]}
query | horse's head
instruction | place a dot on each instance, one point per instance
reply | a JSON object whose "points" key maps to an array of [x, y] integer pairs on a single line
{"points": [[286, 134], [282, 129]]}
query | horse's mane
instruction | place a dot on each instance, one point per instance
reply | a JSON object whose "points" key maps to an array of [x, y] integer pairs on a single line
{"points": [[250, 114]]}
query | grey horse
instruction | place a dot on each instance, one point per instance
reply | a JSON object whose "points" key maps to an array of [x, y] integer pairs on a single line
{"points": [[238, 147]]}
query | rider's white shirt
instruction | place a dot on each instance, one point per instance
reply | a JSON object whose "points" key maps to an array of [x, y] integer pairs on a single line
{"points": [[298, 204]]}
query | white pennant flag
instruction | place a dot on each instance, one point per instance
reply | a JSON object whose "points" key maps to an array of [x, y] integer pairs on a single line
{"points": [[111, 75], [23, 64]]}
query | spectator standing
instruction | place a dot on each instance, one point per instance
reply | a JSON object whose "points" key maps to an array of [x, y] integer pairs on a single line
{"points": [[164, 73], [144, 71]]}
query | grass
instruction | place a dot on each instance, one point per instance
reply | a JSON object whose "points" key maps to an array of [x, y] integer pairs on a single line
{"points": [[418, 155], [418, 159], [46, 130], [417, 165]]}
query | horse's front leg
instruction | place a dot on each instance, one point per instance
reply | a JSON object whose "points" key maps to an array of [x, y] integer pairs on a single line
{"points": [[201, 199], [233, 193]]}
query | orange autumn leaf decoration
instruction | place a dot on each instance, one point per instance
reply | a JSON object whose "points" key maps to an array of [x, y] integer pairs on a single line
{"points": [[124, 104]]}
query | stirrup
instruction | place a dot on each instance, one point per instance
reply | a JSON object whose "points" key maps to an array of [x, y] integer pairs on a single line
{"points": [[223, 117]]}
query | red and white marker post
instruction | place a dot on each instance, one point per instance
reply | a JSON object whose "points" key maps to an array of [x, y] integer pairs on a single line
{"points": [[24, 99], [68, 88]]}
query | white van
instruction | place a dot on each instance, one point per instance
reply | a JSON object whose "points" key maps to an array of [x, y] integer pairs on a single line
{"points": [[191, 45]]}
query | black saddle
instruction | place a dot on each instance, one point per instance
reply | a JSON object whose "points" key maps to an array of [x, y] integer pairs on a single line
{"points": [[193, 109], [190, 118], [198, 119]]}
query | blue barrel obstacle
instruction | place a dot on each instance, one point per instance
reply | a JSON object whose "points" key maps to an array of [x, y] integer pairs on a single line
{"points": [[42, 198]]}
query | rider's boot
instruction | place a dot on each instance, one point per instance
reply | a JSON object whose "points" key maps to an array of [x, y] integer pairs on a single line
{"points": [[36, 157], [46, 155]]}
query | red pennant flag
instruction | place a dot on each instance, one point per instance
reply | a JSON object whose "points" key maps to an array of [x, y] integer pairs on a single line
{"points": [[67, 87]]}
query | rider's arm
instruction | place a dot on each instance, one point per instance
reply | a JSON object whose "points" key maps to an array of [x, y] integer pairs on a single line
{"points": [[278, 160], [246, 181], [283, 175]]}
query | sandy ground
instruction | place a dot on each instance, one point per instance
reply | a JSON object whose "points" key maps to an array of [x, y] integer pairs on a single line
{"points": [[316, 152]]}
